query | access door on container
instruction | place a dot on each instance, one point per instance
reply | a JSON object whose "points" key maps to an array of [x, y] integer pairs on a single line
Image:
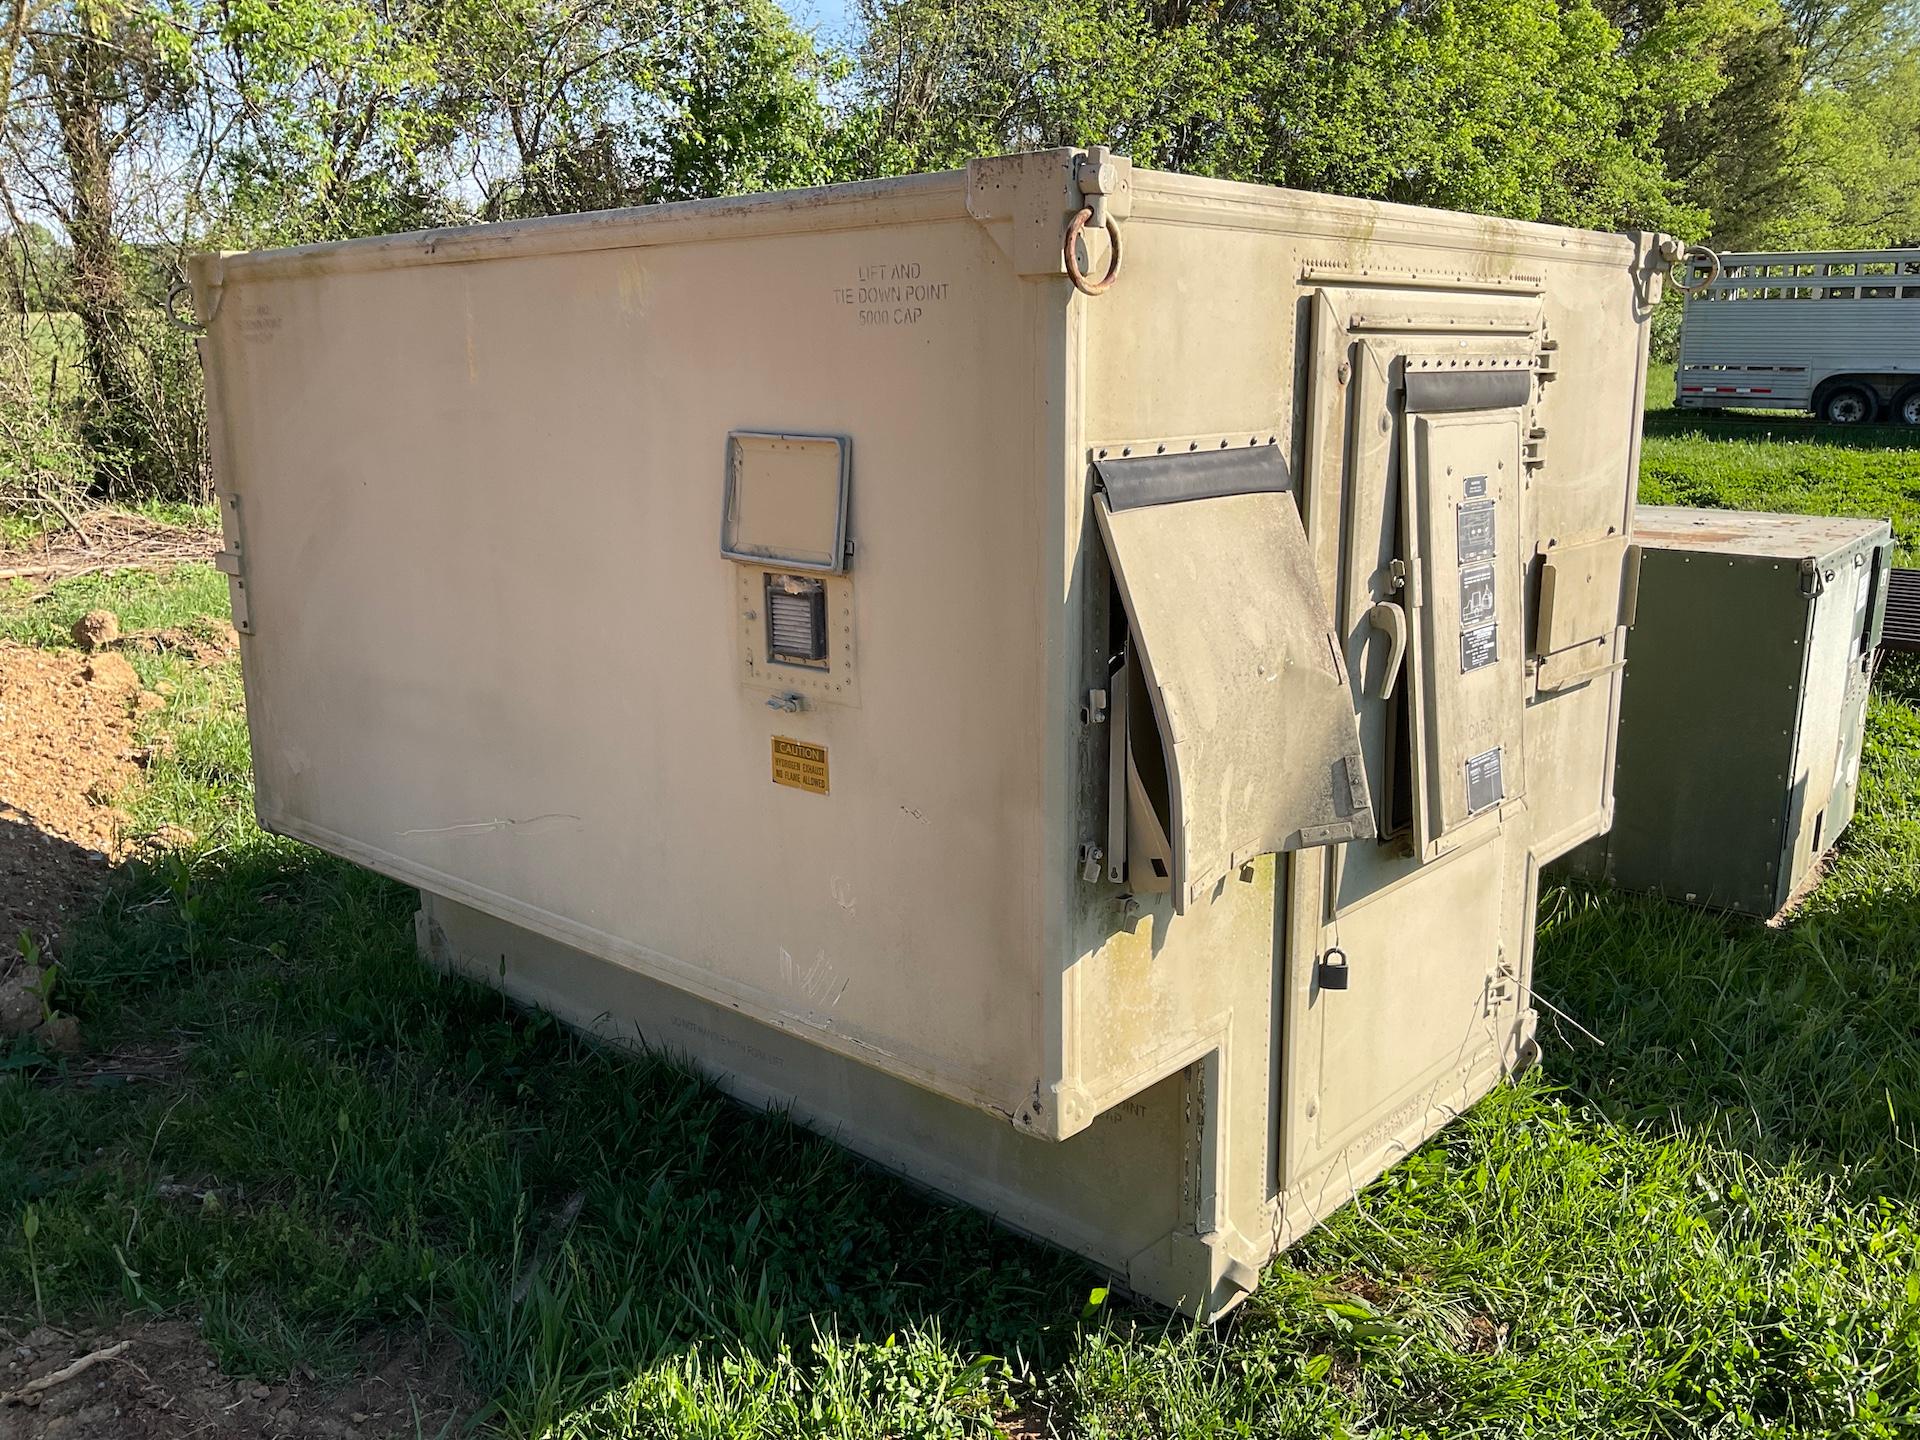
{"points": [[1420, 423], [1416, 463]]}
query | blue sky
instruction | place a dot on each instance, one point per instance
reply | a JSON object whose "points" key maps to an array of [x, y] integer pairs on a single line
{"points": [[830, 17]]}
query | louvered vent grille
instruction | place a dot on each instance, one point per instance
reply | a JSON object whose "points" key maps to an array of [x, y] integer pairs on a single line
{"points": [[1902, 628], [796, 621]]}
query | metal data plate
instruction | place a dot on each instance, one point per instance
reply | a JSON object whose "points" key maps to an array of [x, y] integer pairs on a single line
{"points": [[1479, 648], [1475, 528], [1486, 787]]}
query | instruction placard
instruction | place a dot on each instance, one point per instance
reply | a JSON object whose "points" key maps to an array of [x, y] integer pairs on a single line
{"points": [[1476, 596], [1474, 523], [1479, 648], [799, 765]]}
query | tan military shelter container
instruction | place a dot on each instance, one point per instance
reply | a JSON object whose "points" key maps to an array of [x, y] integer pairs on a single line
{"points": [[1092, 753]]}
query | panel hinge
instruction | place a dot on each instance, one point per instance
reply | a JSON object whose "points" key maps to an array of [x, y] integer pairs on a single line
{"points": [[230, 562], [1533, 449], [1546, 364], [1500, 989], [1094, 712]]}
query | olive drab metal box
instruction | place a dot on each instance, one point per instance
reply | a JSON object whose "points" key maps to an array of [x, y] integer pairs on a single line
{"points": [[1039, 669], [1745, 703]]}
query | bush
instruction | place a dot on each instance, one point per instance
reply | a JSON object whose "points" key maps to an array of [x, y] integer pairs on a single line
{"points": [[44, 465], [149, 441]]}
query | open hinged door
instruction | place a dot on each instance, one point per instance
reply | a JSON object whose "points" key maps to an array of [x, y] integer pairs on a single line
{"points": [[1246, 743]]}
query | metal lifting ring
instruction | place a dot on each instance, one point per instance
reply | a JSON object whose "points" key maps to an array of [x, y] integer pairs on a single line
{"points": [[1679, 268], [1074, 273], [191, 325]]}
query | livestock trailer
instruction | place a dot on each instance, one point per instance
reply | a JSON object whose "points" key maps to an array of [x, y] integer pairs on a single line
{"points": [[1039, 669], [1836, 332]]}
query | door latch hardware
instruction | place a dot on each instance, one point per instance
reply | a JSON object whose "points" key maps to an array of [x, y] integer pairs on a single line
{"points": [[1812, 583], [1390, 620], [1332, 970], [1091, 855], [793, 702], [1094, 712]]}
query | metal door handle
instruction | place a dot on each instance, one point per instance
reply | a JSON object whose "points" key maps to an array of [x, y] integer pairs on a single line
{"points": [[1390, 620]]}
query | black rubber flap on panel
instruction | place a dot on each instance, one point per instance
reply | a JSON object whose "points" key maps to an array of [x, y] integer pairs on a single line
{"points": [[1138, 480], [1432, 392]]}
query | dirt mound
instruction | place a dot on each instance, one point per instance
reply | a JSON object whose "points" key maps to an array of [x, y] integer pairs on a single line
{"points": [[205, 642], [96, 629], [160, 1382], [66, 749]]}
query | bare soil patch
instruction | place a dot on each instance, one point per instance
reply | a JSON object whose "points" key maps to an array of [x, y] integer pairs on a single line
{"points": [[107, 540], [66, 750], [166, 1385]]}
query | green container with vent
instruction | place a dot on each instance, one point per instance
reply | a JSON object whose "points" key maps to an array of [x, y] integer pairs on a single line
{"points": [[1744, 706]]}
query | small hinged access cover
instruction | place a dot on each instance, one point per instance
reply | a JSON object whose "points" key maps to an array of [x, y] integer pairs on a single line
{"points": [[1247, 686], [786, 500], [1581, 594]]}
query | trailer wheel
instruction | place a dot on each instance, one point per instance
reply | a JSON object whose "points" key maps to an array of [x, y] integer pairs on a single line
{"points": [[1847, 405], [1906, 406]]}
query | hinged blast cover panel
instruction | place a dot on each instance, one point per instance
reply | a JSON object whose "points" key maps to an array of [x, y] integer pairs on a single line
{"points": [[786, 500], [1238, 657]]}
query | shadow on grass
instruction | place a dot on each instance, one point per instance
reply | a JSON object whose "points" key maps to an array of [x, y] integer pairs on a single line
{"points": [[44, 878], [1787, 1044], [387, 1145], [1797, 1042], [1778, 427]]}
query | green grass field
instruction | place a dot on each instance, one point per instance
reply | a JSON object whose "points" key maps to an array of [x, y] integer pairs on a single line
{"points": [[1772, 461], [1703, 1222]]}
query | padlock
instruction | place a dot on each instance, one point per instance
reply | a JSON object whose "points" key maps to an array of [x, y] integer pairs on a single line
{"points": [[1332, 970]]}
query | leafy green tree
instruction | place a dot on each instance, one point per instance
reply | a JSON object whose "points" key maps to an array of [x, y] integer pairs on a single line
{"points": [[1735, 157], [94, 88], [326, 118], [1857, 158], [599, 103], [1842, 42], [740, 107], [942, 80], [1534, 108]]}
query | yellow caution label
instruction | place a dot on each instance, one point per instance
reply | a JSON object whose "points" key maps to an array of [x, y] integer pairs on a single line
{"points": [[800, 765]]}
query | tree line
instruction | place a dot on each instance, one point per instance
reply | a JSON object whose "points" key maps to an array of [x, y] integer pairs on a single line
{"points": [[132, 131]]}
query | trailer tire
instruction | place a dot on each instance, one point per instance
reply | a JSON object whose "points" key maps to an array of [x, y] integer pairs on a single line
{"points": [[1847, 404], [1906, 406]]}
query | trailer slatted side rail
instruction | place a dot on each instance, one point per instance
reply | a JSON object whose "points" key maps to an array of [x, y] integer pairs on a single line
{"points": [[1901, 629], [1836, 332]]}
